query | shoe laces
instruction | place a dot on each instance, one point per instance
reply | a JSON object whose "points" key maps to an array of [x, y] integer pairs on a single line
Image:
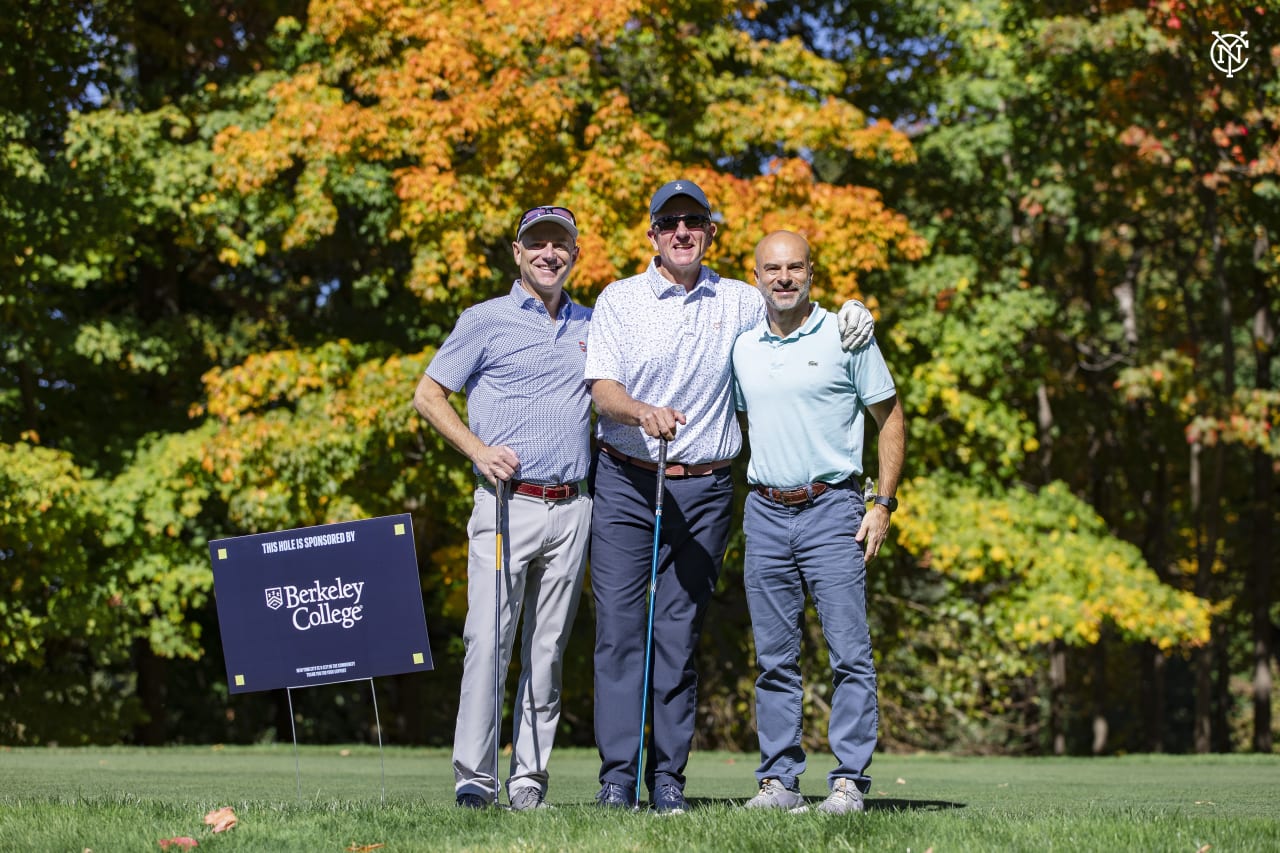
{"points": [[846, 789], [528, 796], [610, 791]]}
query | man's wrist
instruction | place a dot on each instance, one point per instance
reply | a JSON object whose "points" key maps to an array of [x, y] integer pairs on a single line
{"points": [[889, 503]]}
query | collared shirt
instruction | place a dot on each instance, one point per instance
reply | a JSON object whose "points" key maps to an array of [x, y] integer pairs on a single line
{"points": [[806, 400], [671, 348], [522, 371]]}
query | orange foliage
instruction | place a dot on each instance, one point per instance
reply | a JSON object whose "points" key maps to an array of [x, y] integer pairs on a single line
{"points": [[474, 123]]}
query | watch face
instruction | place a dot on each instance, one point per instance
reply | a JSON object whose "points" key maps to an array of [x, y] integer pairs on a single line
{"points": [[890, 504]]}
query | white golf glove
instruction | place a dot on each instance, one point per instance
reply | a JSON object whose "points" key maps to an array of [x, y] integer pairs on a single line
{"points": [[856, 325]]}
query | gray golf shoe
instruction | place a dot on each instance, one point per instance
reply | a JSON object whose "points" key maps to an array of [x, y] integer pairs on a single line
{"points": [[845, 798], [528, 798], [773, 795]]}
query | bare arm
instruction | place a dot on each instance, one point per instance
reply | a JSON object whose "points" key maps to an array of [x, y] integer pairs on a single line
{"points": [[432, 402], [891, 445], [613, 401]]}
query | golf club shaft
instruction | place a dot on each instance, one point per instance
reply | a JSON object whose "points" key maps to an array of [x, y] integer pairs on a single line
{"points": [[499, 488], [653, 587]]}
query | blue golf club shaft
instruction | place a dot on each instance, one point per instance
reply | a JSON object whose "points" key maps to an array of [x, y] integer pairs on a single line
{"points": [[653, 586]]}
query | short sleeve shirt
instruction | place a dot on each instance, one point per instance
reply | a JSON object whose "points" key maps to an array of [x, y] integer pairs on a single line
{"points": [[522, 372], [667, 347], [806, 400]]}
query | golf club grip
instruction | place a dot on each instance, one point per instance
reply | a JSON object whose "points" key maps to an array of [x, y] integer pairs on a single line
{"points": [[662, 473], [498, 488]]}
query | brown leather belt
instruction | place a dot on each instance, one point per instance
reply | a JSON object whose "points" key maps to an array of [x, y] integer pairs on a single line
{"points": [[793, 497], [675, 470], [560, 492]]}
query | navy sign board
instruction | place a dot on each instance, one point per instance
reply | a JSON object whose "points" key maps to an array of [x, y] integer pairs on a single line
{"points": [[320, 605]]}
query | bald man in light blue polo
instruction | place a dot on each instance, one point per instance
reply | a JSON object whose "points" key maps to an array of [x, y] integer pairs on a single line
{"points": [[806, 521]]}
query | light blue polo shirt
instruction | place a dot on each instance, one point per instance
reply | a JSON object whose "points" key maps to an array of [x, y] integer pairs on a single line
{"points": [[806, 401]]}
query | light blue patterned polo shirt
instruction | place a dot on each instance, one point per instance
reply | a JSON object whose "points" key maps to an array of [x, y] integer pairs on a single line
{"points": [[522, 373]]}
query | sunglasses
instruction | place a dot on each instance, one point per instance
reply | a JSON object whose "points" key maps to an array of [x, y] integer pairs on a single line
{"points": [[692, 221], [535, 212]]}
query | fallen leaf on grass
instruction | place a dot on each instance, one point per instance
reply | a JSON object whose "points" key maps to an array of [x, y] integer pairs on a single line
{"points": [[1205, 849], [901, 781], [182, 842], [221, 819], [344, 752], [365, 848]]}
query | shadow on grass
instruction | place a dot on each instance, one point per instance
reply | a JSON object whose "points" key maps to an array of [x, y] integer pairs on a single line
{"points": [[877, 804], [891, 805]]}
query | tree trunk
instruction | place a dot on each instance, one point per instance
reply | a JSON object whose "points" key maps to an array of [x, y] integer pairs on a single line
{"points": [[1153, 663], [1263, 545], [1100, 727], [1057, 688], [151, 692], [1206, 505]]}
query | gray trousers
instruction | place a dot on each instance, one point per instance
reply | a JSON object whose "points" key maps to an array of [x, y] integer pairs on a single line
{"points": [[544, 558]]}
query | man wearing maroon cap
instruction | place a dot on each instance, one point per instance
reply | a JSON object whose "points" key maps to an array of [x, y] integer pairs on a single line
{"points": [[520, 358], [659, 368]]}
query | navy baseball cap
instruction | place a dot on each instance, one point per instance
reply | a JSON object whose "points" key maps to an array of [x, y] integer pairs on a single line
{"points": [[669, 191]]}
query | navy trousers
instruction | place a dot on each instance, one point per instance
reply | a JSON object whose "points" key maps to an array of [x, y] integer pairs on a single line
{"points": [[695, 532]]}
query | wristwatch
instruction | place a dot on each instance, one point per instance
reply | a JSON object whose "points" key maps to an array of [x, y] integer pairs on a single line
{"points": [[890, 504]]}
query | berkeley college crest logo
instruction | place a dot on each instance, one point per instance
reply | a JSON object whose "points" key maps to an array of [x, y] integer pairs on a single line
{"points": [[275, 597]]}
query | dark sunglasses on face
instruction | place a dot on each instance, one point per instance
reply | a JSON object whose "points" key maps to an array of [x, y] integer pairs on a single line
{"points": [[692, 221], [534, 212]]}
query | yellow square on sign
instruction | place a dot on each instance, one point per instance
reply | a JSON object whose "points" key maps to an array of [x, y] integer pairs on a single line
{"points": [[399, 529], [222, 553], [239, 681], [417, 657]]}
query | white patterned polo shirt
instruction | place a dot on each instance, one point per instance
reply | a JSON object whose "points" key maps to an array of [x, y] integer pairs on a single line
{"points": [[667, 347]]}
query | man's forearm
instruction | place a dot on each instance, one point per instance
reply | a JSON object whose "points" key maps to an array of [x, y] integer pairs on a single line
{"points": [[613, 401], [432, 403], [891, 445]]}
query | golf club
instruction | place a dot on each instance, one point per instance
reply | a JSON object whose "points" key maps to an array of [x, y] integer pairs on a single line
{"points": [[653, 586], [499, 488]]}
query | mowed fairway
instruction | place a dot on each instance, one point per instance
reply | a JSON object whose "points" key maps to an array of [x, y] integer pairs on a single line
{"points": [[108, 799]]}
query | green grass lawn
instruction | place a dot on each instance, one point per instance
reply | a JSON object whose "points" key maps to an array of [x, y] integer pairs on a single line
{"points": [[107, 799]]}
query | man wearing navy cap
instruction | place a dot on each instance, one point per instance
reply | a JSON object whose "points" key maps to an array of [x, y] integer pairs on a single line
{"points": [[520, 358], [659, 367]]}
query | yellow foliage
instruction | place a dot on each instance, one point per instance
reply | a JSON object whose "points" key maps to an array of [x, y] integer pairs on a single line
{"points": [[1049, 565]]}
